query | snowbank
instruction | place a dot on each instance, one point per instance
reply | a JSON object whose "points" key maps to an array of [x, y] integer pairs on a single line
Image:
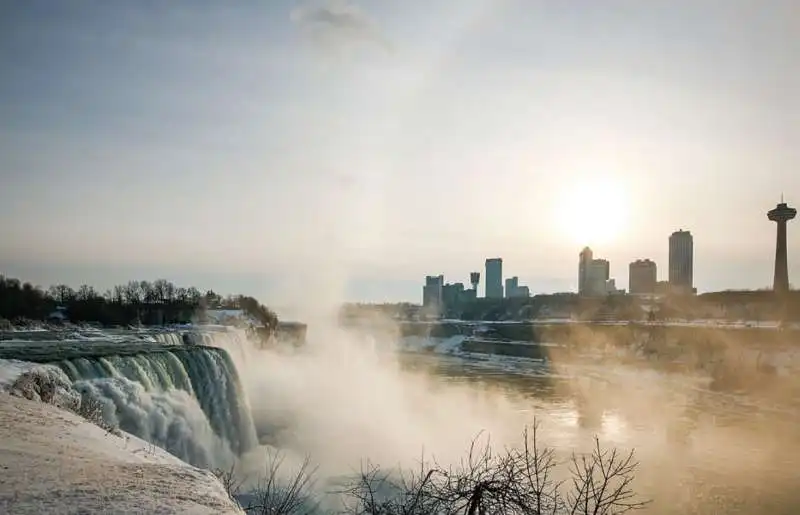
{"points": [[450, 345], [53, 461]]}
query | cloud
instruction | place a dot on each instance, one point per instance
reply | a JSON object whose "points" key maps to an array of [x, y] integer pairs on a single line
{"points": [[341, 23]]}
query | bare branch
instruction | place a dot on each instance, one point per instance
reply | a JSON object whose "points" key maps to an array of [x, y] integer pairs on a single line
{"points": [[517, 481]]}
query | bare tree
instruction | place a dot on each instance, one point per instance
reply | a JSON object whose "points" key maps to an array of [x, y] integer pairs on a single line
{"points": [[148, 294], [133, 293], [272, 495], [602, 483], [376, 492], [61, 293], [193, 295], [160, 287], [169, 292], [513, 482], [119, 294], [182, 295], [230, 481], [86, 292], [278, 498]]}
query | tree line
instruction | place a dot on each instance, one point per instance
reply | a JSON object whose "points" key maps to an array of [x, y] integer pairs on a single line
{"points": [[136, 302]]}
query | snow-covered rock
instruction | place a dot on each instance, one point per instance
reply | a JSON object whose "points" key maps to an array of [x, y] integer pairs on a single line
{"points": [[53, 461]]}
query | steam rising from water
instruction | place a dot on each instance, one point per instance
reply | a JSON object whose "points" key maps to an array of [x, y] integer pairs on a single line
{"points": [[344, 402], [344, 399], [347, 398]]}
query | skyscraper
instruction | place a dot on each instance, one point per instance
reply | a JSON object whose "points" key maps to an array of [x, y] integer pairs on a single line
{"points": [[584, 260], [432, 292], [597, 277], [781, 215], [592, 273], [681, 261], [642, 277], [512, 285], [494, 278]]}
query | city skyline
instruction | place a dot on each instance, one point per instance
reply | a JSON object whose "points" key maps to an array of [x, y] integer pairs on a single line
{"points": [[594, 275], [344, 148], [595, 278]]}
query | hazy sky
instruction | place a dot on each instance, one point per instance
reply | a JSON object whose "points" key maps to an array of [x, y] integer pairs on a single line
{"points": [[277, 147]]}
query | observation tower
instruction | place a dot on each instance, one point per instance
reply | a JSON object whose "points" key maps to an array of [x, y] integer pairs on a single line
{"points": [[475, 279], [780, 215]]}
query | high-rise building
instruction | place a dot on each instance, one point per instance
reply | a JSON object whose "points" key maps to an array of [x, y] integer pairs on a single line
{"points": [[603, 268], [494, 278], [681, 261], [433, 292], [452, 294], [781, 215], [592, 274], [514, 290], [597, 275], [642, 277], [512, 285], [584, 260]]}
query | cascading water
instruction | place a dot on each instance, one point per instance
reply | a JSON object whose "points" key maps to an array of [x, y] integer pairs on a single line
{"points": [[188, 400]]}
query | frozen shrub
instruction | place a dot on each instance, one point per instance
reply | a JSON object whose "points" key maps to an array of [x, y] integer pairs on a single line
{"points": [[49, 384]]}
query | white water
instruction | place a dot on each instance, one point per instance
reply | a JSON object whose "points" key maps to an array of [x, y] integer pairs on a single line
{"points": [[187, 401]]}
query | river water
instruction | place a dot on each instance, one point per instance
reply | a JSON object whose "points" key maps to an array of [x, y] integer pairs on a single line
{"points": [[699, 451]]}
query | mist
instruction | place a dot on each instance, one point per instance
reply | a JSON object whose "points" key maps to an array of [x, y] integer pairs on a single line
{"points": [[347, 399]]}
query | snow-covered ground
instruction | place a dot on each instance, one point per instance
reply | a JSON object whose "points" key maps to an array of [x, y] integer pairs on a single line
{"points": [[450, 345], [54, 461]]}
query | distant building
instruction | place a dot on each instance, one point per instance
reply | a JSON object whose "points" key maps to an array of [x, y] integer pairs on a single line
{"points": [[602, 268], [681, 262], [452, 294], [597, 275], [642, 277], [228, 317], [58, 316], [610, 288], [593, 274], [662, 287], [470, 295], [584, 260], [512, 283], [494, 278], [514, 290], [433, 292]]}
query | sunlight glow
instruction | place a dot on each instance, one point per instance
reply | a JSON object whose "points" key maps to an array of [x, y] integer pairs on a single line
{"points": [[595, 212]]}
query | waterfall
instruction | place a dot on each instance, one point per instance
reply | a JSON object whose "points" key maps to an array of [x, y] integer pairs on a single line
{"points": [[188, 400]]}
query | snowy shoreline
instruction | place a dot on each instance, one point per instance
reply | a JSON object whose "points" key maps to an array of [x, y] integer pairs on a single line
{"points": [[54, 461]]}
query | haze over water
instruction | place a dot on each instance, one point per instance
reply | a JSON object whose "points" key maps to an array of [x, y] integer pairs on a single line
{"points": [[700, 451], [350, 397]]}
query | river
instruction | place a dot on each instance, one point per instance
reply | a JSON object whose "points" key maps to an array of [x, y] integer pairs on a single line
{"points": [[699, 451]]}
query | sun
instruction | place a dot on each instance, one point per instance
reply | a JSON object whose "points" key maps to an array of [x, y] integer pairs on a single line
{"points": [[594, 212]]}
